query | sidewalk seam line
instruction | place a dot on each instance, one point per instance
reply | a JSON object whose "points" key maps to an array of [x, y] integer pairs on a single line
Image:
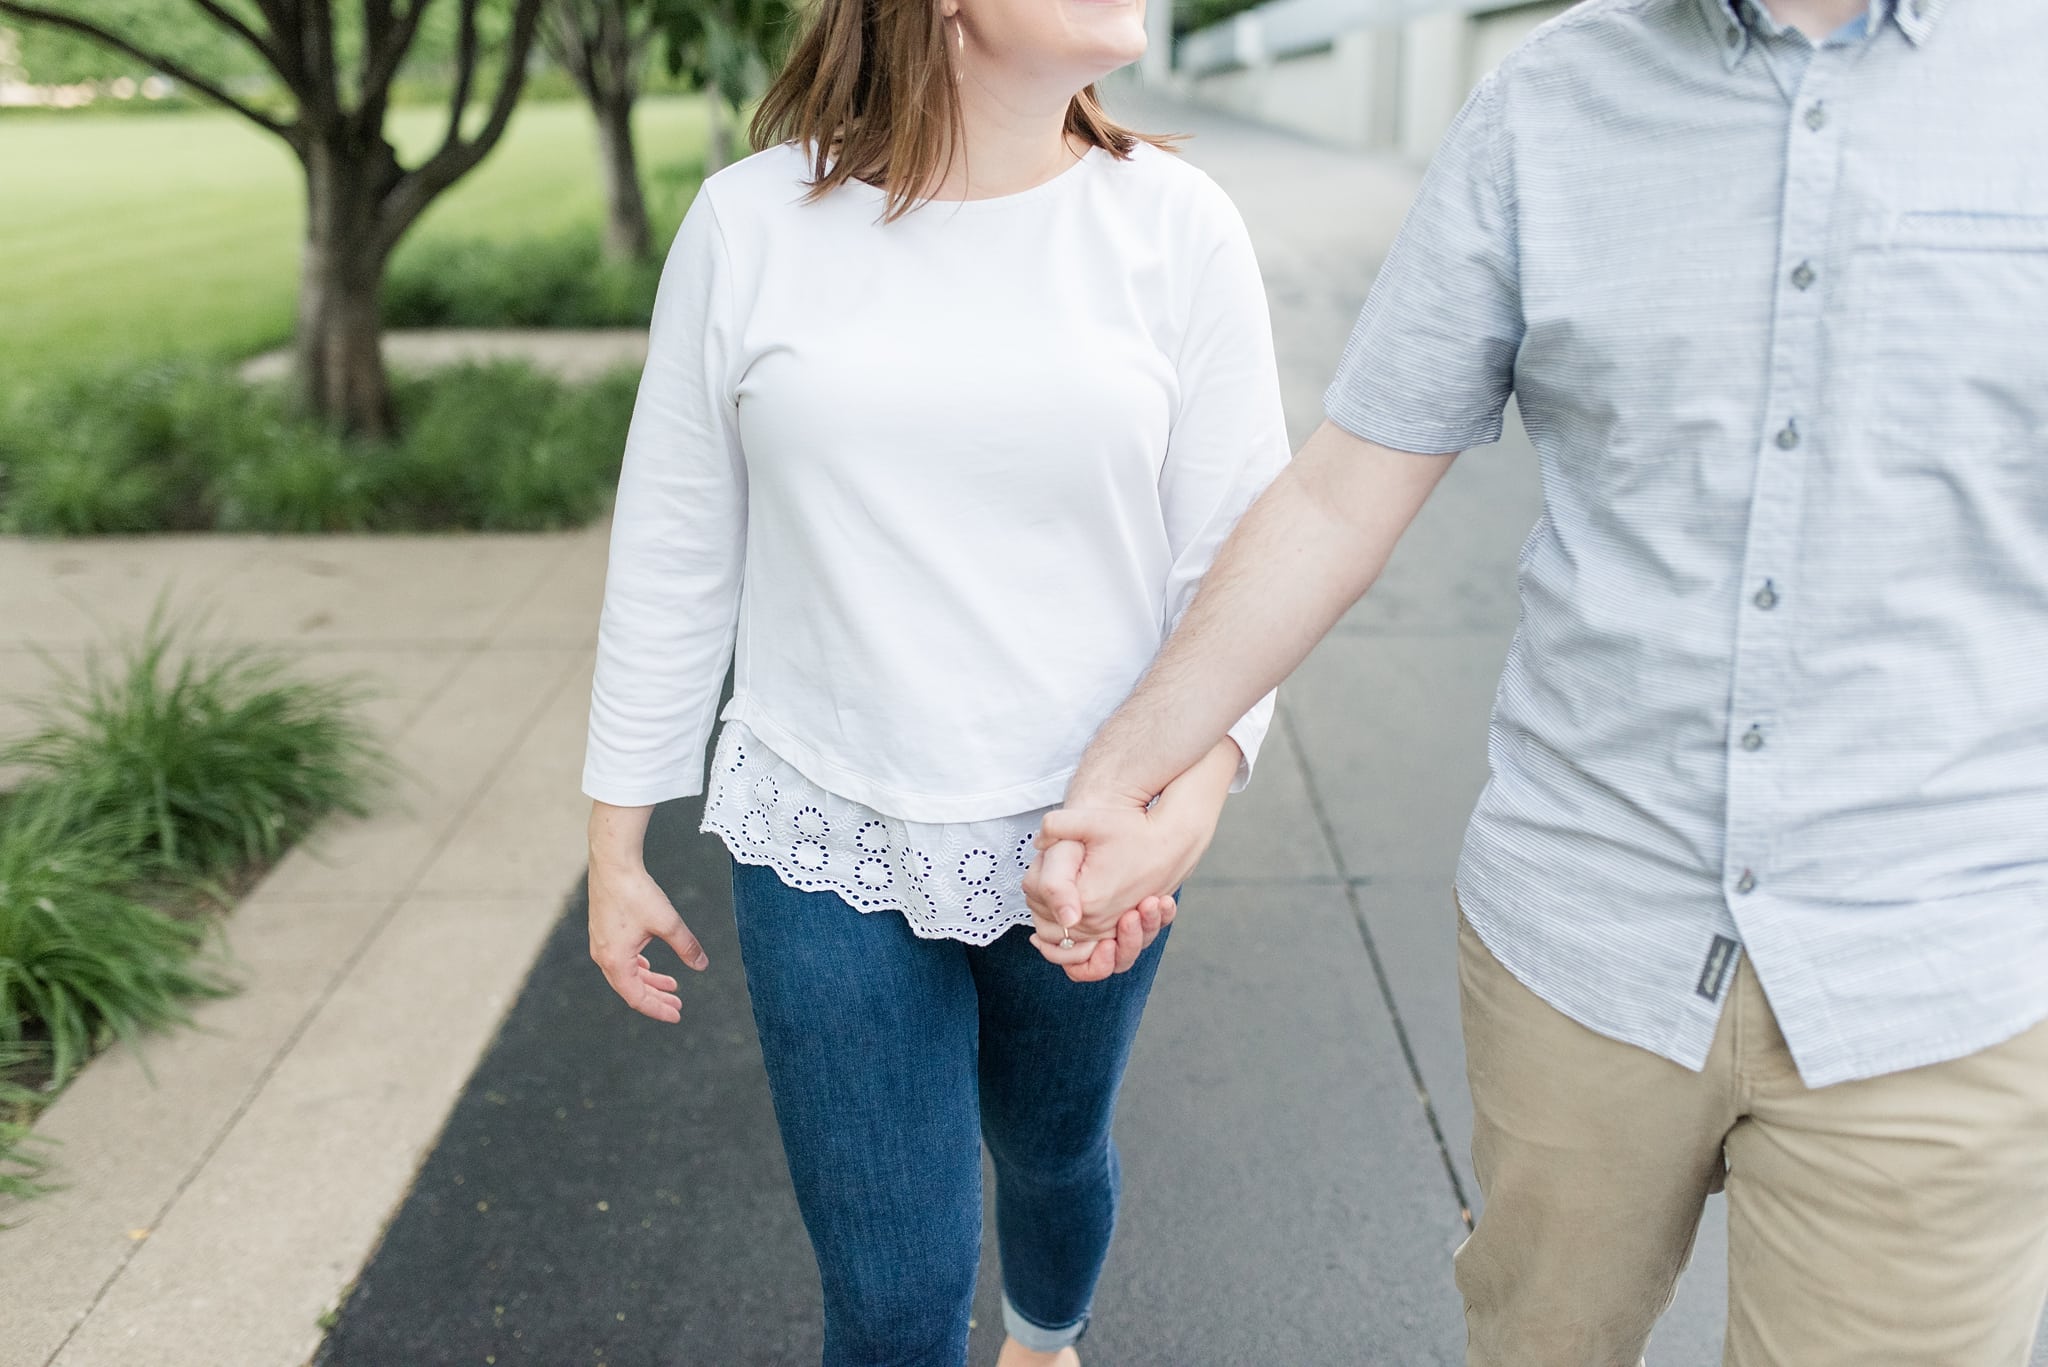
{"points": [[1285, 716]]}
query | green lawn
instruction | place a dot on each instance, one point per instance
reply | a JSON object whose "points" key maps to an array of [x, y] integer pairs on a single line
{"points": [[126, 237]]}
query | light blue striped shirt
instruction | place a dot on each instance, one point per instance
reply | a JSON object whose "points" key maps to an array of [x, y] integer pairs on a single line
{"points": [[1776, 318]]}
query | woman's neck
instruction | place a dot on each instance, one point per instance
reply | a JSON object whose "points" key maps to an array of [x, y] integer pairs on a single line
{"points": [[1009, 140]]}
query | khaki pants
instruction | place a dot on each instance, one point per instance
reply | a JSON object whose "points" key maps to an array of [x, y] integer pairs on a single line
{"points": [[1900, 1221]]}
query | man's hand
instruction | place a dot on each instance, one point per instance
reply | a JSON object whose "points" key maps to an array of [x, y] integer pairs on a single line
{"points": [[1101, 862], [1095, 862]]}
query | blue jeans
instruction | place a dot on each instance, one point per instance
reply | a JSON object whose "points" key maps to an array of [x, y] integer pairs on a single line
{"points": [[892, 1060]]}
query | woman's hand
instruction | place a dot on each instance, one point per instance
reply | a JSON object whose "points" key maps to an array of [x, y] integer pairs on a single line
{"points": [[628, 909], [1090, 961]]}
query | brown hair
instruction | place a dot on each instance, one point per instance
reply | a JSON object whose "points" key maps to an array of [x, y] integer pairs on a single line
{"points": [[870, 91]]}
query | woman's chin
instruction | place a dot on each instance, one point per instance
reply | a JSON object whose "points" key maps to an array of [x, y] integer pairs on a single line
{"points": [[1113, 49]]}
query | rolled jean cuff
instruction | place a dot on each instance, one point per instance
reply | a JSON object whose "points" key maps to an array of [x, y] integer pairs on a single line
{"points": [[1037, 1337]]}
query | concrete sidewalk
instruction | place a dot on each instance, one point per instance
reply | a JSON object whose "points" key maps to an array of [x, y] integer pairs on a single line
{"points": [[223, 1187]]}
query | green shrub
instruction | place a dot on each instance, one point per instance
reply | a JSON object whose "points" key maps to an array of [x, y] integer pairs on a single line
{"points": [[563, 281], [150, 778], [89, 455], [557, 471], [307, 480], [565, 475], [82, 961], [189, 447], [21, 1162], [1189, 15], [198, 767]]}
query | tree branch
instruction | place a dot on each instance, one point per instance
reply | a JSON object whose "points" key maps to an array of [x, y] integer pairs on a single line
{"points": [[233, 24], [384, 63], [418, 187], [322, 82], [518, 48], [465, 72], [283, 18], [615, 50], [156, 61], [569, 43]]}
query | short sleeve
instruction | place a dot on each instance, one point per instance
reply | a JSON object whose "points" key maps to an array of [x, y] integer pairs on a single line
{"points": [[1430, 363]]}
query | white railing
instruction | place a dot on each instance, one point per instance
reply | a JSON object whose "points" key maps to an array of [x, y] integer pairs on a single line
{"points": [[1281, 28]]}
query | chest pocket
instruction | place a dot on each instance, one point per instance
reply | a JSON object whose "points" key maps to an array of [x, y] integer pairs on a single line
{"points": [[1955, 338]]}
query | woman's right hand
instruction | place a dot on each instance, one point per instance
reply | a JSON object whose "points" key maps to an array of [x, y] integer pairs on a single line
{"points": [[628, 909]]}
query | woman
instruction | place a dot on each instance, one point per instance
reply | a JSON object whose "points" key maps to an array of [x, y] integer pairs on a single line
{"points": [[952, 394]]}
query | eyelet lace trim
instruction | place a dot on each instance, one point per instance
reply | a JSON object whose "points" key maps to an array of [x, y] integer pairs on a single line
{"points": [[951, 881]]}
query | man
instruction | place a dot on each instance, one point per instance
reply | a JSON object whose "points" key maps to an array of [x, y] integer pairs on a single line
{"points": [[1758, 890]]}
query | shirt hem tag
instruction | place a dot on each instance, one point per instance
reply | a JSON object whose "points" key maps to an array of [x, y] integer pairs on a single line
{"points": [[1714, 974]]}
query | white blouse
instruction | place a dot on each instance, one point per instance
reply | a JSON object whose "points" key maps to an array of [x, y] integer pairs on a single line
{"points": [[956, 880], [937, 488]]}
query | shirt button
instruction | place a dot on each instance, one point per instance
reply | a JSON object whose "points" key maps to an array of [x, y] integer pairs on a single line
{"points": [[1753, 739], [1802, 275], [1747, 883], [1767, 596], [1788, 435], [1816, 118]]}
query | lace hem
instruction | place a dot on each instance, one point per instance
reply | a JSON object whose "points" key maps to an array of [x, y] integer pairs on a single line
{"points": [[949, 881]]}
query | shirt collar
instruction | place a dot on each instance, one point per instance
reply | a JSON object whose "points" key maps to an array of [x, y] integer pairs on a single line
{"points": [[1729, 23]]}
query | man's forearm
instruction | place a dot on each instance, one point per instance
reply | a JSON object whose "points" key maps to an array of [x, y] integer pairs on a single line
{"points": [[1314, 542]]}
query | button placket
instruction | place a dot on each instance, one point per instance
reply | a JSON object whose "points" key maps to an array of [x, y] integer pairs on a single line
{"points": [[1792, 422]]}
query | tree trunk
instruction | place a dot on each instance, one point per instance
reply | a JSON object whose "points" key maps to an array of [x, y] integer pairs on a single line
{"points": [[626, 231], [718, 141], [341, 283]]}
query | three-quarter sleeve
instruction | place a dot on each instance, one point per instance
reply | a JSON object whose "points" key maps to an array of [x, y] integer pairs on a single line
{"points": [[1430, 363], [678, 541], [1229, 434]]}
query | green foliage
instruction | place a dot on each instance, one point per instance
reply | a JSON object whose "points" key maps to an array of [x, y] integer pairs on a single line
{"points": [[93, 456], [174, 28], [560, 281], [1189, 15], [303, 478], [159, 775], [179, 30], [186, 446], [21, 1150], [556, 449], [211, 268], [727, 46], [198, 765], [82, 960]]}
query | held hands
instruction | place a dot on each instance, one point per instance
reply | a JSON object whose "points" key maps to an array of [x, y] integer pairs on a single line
{"points": [[1106, 868]]}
